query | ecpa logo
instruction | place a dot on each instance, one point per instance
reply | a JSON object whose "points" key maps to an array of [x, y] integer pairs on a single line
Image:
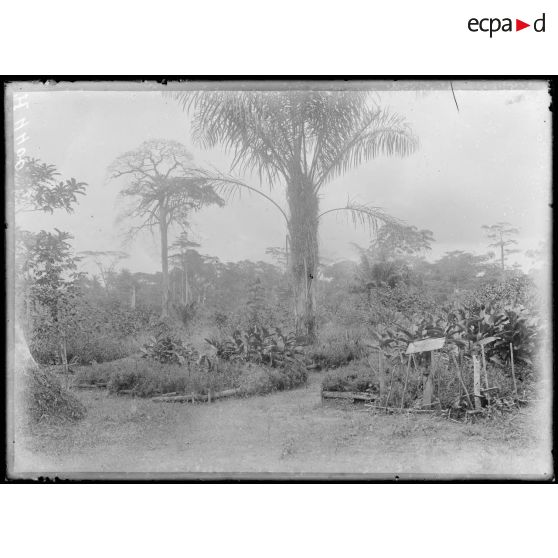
{"points": [[494, 24]]}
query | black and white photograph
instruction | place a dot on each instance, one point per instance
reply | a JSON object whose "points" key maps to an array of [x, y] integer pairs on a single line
{"points": [[279, 279]]}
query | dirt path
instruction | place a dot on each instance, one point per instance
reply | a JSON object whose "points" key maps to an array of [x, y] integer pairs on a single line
{"points": [[286, 432]]}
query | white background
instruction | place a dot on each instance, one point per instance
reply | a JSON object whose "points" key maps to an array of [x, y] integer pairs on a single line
{"points": [[434, 521], [273, 37], [299, 37]]}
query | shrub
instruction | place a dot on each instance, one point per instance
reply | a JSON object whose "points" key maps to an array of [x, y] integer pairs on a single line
{"points": [[336, 353], [100, 349], [448, 390], [98, 332], [465, 327], [259, 345], [356, 377], [167, 350], [47, 400], [513, 290], [166, 347], [260, 380], [146, 379]]}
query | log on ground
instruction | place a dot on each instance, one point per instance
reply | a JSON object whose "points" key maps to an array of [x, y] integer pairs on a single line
{"points": [[354, 395], [187, 398]]}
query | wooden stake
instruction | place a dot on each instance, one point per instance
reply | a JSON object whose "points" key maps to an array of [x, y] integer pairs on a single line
{"points": [[484, 366], [428, 385], [477, 382], [381, 375], [390, 386], [513, 371], [485, 373], [439, 370], [461, 380], [406, 378]]}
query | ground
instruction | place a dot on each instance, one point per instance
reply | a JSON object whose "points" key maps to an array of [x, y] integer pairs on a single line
{"points": [[285, 432]]}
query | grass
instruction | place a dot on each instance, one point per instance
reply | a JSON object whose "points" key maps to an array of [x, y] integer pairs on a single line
{"points": [[146, 377]]}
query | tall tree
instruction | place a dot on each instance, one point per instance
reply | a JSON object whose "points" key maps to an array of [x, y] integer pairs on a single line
{"points": [[502, 236], [181, 246], [165, 189], [301, 140]]}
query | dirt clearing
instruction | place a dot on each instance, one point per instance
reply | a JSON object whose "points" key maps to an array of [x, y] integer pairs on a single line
{"points": [[286, 432]]}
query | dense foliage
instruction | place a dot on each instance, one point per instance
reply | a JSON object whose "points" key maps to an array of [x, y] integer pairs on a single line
{"points": [[259, 345], [48, 400]]}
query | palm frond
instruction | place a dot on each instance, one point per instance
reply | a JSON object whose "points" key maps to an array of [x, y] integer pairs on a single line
{"points": [[286, 134], [248, 124], [377, 133], [231, 187], [364, 215]]}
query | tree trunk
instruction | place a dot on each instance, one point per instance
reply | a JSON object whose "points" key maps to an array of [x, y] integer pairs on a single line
{"points": [[23, 358], [165, 264], [185, 281], [303, 233]]}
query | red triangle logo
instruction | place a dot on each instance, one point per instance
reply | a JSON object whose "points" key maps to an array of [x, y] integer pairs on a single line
{"points": [[519, 25]]}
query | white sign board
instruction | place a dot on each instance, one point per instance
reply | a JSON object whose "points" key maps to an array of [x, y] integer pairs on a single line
{"points": [[423, 345]]}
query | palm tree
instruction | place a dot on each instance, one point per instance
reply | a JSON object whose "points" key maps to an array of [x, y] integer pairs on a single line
{"points": [[300, 140], [165, 189]]}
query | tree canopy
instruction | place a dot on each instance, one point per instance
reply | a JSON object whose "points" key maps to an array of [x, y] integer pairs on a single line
{"points": [[37, 188]]}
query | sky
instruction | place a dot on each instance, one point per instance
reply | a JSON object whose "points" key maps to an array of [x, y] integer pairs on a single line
{"points": [[487, 162]]}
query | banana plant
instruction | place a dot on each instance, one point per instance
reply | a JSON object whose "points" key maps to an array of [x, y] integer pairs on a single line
{"points": [[522, 332], [260, 345]]}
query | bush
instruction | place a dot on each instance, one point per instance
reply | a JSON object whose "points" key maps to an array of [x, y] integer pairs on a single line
{"points": [[260, 380], [47, 400], [336, 353], [98, 333], [513, 290], [259, 345], [83, 350], [448, 391], [146, 379], [168, 349], [165, 344], [356, 377]]}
